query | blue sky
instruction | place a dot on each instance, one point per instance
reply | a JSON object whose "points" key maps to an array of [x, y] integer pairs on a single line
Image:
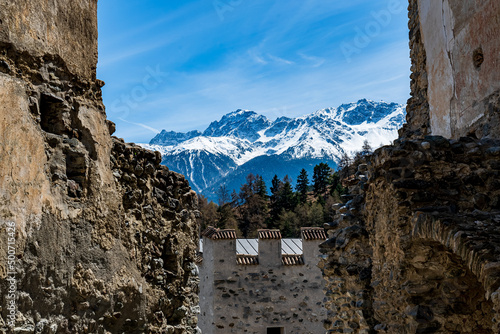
{"points": [[178, 65]]}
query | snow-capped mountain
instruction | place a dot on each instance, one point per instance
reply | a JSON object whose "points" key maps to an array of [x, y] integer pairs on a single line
{"points": [[245, 142]]}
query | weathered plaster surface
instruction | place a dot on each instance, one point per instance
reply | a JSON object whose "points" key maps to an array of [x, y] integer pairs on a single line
{"points": [[452, 31], [65, 28], [250, 298]]}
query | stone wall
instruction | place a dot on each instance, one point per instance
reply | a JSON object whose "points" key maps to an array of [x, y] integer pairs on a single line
{"points": [[67, 29], [249, 294], [417, 110], [105, 238], [417, 246]]}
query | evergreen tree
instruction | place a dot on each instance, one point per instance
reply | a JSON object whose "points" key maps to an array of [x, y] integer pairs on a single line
{"points": [[302, 185], [227, 217], [334, 180], [253, 207], [366, 149], [275, 185], [286, 196], [316, 215], [252, 215], [320, 178], [248, 189], [261, 188], [275, 203], [223, 195], [288, 223]]}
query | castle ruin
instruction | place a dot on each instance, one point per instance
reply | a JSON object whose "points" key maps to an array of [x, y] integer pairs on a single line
{"points": [[416, 248], [105, 237]]}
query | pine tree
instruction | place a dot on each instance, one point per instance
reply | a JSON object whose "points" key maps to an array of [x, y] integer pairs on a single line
{"points": [[261, 188], [253, 207], [223, 195], [288, 223], [227, 217], [302, 185], [320, 178], [275, 203], [366, 149], [287, 197], [275, 185]]}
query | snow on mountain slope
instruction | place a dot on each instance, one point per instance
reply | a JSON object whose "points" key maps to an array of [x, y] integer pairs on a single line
{"points": [[165, 138], [240, 123], [236, 141], [235, 148]]}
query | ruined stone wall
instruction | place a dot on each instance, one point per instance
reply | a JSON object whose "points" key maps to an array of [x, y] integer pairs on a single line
{"points": [[432, 208], [415, 248], [456, 41], [105, 237], [264, 293], [417, 110], [417, 245], [40, 28]]}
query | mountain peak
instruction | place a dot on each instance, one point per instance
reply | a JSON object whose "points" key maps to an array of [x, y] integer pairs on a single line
{"points": [[243, 141], [171, 138], [240, 112], [365, 111], [244, 124]]}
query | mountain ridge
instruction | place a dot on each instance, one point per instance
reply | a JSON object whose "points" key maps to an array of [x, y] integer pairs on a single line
{"points": [[227, 145]]}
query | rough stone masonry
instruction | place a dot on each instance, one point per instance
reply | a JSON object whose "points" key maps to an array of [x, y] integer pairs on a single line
{"points": [[267, 292], [416, 247], [95, 234]]}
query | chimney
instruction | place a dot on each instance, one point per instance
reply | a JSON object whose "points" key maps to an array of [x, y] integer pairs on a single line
{"points": [[311, 238], [270, 248], [219, 247]]}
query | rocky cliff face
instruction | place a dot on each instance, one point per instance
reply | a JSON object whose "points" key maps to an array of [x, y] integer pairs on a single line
{"points": [[95, 234]]}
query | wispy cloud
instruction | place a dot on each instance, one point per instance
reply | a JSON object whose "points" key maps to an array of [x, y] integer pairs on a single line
{"points": [[132, 51], [256, 56], [147, 127], [279, 59], [315, 61]]}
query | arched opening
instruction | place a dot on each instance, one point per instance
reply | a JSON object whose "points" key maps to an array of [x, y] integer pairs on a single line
{"points": [[443, 295]]}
